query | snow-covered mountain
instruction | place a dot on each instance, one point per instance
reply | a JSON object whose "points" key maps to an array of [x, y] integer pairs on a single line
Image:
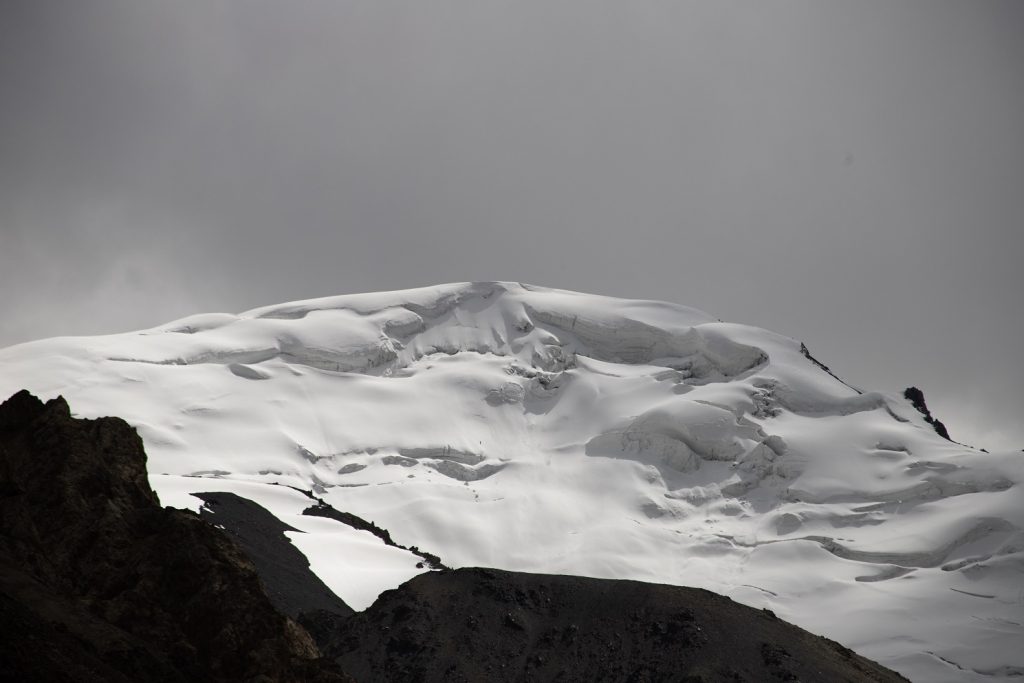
{"points": [[523, 428]]}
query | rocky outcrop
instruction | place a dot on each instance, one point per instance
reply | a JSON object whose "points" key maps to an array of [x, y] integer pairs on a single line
{"points": [[916, 398], [322, 509], [290, 584], [489, 625], [99, 583]]}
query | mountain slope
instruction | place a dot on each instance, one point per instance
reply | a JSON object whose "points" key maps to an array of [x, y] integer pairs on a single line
{"points": [[505, 425]]}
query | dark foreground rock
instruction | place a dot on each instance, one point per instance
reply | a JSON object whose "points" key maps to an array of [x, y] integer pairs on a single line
{"points": [[488, 625], [99, 583], [290, 584]]}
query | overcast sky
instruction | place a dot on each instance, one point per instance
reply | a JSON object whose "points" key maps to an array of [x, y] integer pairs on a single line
{"points": [[850, 174]]}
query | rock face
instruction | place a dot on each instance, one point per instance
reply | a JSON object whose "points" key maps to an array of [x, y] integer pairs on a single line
{"points": [[489, 625], [284, 570], [99, 583], [916, 397]]}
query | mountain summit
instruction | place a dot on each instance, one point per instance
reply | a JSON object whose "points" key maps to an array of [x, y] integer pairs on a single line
{"points": [[539, 430]]}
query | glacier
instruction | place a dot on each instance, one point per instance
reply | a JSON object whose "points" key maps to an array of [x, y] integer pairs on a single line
{"points": [[506, 425]]}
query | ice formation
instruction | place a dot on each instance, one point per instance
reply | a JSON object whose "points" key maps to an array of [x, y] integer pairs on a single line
{"points": [[523, 428]]}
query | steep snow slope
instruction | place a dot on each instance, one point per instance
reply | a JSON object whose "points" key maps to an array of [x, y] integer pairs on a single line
{"points": [[531, 429]]}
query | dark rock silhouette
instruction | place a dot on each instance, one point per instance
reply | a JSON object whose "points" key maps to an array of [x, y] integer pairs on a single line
{"points": [[290, 584], [807, 354], [99, 583], [322, 509], [916, 397], [489, 625]]}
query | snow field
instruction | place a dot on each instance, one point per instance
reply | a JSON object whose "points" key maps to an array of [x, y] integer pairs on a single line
{"points": [[506, 425]]}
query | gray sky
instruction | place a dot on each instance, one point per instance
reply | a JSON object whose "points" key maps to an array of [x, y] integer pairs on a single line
{"points": [[850, 174]]}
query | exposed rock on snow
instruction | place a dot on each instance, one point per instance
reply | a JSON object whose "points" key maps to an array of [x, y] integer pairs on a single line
{"points": [[916, 397]]}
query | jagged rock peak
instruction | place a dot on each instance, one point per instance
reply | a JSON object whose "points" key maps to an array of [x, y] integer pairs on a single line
{"points": [[94, 570]]}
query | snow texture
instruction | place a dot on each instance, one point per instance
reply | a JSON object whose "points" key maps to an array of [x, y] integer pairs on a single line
{"points": [[529, 429]]}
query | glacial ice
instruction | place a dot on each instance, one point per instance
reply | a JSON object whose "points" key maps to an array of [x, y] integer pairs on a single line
{"points": [[531, 429]]}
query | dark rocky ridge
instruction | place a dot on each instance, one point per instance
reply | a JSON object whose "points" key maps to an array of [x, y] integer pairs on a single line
{"points": [[916, 398], [469, 625], [821, 366], [99, 583], [322, 509], [289, 583]]}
